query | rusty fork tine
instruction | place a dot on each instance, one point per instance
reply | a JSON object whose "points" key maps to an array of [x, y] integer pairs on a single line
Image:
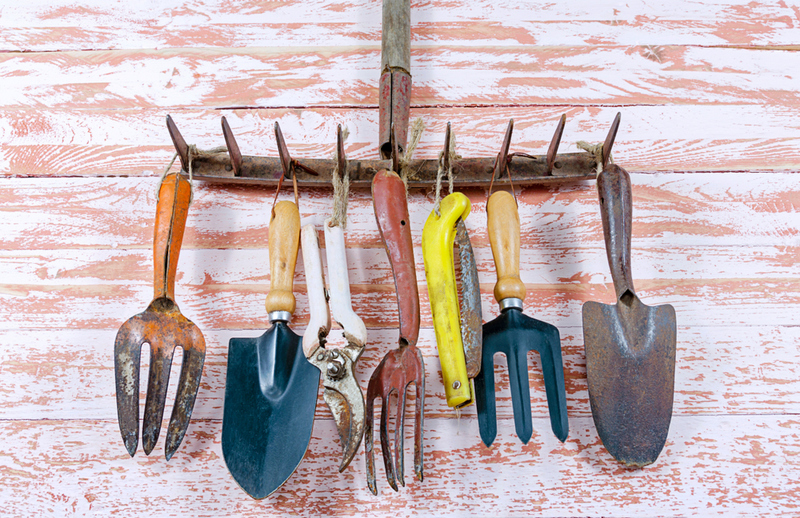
{"points": [[158, 381], [400, 419], [419, 382], [369, 441], [191, 370], [386, 447]]}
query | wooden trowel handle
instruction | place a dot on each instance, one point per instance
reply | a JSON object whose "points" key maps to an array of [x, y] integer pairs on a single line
{"points": [[174, 196], [503, 216], [391, 211], [284, 240], [616, 211]]}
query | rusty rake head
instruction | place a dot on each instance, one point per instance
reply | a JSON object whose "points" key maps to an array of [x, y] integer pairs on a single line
{"points": [[398, 369]]}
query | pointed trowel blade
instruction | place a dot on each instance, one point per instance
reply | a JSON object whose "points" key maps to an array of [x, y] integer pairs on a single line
{"points": [[270, 399], [630, 369]]}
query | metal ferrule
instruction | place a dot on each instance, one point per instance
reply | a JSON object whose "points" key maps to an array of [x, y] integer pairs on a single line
{"points": [[510, 302], [279, 316]]}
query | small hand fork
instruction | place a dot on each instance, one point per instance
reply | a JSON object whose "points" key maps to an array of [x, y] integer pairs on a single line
{"points": [[163, 327], [404, 365]]}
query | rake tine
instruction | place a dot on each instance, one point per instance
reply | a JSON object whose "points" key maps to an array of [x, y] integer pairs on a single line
{"points": [[188, 385], [399, 436], [520, 393], [385, 445], [369, 441], [157, 384]]}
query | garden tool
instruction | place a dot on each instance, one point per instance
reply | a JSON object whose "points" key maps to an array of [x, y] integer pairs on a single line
{"points": [[458, 334], [630, 347], [337, 365], [514, 334], [402, 366], [270, 390], [163, 327]]}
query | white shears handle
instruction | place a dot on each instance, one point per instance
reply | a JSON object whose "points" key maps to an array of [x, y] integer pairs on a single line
{"points": [[339, 290], [319, 315]]}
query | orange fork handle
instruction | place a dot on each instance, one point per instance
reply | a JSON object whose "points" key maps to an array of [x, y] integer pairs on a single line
{"points": [[174, 197]]}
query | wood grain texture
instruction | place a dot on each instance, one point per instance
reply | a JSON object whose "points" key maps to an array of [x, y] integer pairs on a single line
{"points": [[705, 209], [741, 370], [711, 466], [709, 98], [42, 26], [442, 74]]}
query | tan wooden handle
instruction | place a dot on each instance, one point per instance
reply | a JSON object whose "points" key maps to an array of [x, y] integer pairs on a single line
{"points": [[504, 238], [284, 240]]}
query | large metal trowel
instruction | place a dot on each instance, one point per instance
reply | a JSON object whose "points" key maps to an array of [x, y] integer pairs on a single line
{"points": [[630, 347], [514, 334], [270, 389]]}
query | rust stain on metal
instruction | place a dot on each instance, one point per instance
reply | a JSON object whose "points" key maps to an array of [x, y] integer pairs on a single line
{"points": [[470, 299], [163, 327]]}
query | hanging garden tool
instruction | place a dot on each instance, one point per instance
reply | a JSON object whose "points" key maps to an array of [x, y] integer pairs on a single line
{"points": [[337, 365], [404, 365], [458, 333], [512, 332], [630, 347], [163, 327], [270, 388]]}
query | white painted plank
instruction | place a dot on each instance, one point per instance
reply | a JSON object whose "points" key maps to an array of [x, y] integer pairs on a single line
{"points": [[48, 26], [443, 75], [711, 466], [69, 373], [670, 211]]}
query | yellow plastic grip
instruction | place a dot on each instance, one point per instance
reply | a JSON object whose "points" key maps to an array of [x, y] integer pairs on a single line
{"points": [[438, 236], [284, 241], [501, 211]]}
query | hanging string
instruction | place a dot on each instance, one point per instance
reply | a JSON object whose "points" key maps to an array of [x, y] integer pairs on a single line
{"points": [[341, 188], [596, 150], [191, 155], [452, 157], [417, 127]]}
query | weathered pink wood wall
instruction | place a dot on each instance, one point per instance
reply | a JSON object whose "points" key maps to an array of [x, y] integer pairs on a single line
{"points": [[710, 100]]}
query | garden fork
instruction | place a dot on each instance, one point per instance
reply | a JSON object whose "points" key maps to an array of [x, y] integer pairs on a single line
{"points": [[404, 365]]}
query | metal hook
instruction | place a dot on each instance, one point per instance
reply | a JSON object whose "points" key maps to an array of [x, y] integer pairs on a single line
{"points": [[180, 144], [446, 155], [233, 148], [612, 134], [553, 149], [340, 150], [283, 152], [502, 157]]}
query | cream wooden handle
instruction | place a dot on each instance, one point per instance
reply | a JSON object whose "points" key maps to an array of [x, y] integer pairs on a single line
{"points": [[284, 240], [504, 238]]}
